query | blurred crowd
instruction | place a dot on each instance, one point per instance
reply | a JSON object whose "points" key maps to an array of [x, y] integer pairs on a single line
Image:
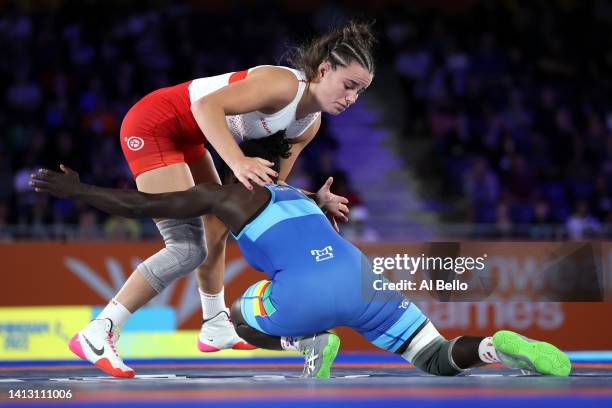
{"points": [[517, 98], [514, 95], [68, 75]]}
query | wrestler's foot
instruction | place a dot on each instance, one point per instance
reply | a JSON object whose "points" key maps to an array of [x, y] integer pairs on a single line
{"points": [[319, 353], [96, 344], [218, 333], [517, 351]]}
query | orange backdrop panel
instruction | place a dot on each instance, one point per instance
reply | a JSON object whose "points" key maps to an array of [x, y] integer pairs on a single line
{"points": [[44, 273]]}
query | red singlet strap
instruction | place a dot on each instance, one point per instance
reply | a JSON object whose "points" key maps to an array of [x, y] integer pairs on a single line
{"points": [[238, 76]]}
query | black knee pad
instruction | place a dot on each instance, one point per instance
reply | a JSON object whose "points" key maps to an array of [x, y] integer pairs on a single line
{"points": [[436, 358], [250, 334]]}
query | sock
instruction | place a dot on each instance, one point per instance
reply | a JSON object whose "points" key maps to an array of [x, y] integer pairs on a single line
{"points": [[289, 343], [487, 352], [116, 312], [212, 304]]}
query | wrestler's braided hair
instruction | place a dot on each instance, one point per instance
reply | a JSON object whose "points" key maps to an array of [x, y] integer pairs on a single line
{"points": [[340, 46]]}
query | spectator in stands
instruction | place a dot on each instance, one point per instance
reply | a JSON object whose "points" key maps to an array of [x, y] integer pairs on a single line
{"points": [[582, 225], [481, 188]]}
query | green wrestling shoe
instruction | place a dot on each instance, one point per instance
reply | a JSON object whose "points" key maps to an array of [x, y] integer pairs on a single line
{"points": [[319, 353], [517, 351]]}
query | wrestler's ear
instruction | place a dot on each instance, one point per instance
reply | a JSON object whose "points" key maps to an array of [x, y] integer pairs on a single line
{"points": [[323, 69]]}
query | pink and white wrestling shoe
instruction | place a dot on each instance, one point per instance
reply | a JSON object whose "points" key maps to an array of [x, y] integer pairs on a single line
{"points": [[218, 333], [96, 344]]}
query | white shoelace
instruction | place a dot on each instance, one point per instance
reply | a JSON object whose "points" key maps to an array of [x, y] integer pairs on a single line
{"points": [[310, 362]]}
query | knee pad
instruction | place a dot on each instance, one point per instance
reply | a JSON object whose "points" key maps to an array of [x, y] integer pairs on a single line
{"points": [[431, 352], [250, 334], [436, 359], [185, 250]]}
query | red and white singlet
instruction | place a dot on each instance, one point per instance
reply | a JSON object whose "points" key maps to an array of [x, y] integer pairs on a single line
{"points": [[160, 129]]}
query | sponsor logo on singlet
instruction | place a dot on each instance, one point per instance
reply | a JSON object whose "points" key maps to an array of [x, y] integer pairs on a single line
{"points": [[134, 143], [264, 124], [322, 254]]}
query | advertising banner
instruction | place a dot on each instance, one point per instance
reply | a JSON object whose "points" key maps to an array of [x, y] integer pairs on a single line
{"points": [[549, 290]]}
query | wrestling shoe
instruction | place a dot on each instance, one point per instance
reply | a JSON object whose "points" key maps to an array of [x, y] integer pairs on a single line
{"points": [[517, 351], [319, 353], [96, 344], [218, 333]]}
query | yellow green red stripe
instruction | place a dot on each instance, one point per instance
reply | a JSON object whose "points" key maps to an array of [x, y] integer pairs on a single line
{"points": [[262, 306]]}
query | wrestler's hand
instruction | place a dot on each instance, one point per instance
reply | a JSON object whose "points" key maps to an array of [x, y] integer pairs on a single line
{"points": [[334, 206], [332, 221], [64, 184], [253, 168]]}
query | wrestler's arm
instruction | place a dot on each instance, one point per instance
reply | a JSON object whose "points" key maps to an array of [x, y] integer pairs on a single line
{"points": [[333, 205], [297, 145], [194, 202], [264, 89]]}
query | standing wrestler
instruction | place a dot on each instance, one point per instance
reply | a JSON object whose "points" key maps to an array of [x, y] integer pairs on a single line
{"points": [[163, 136]]}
